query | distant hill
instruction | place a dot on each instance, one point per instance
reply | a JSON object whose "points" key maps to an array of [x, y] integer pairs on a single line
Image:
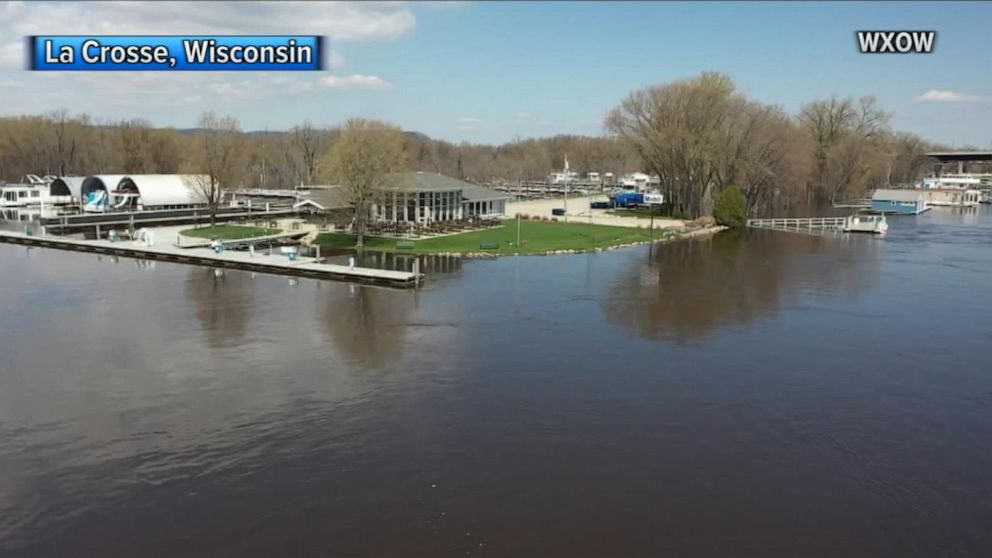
{"points": [[254, 133]]}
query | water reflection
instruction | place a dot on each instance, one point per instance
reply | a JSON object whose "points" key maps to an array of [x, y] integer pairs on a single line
{"points": [[223, 302], [688, 289], [369, 324], [429, 263]]}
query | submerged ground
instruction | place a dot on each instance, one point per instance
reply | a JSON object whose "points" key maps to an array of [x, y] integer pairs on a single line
{"points": [[536, 237]]}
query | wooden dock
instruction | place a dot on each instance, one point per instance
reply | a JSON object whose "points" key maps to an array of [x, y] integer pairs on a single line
{"points": [[799, 224], [261, 263]]}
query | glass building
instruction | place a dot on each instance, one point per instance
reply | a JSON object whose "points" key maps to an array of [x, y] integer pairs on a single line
{"points": [[427, 197]]}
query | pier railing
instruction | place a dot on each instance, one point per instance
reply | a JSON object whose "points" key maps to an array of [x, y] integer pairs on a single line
{"points": [[798, 223], [856, 203]]}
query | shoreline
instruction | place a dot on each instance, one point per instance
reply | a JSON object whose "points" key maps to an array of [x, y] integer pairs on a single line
{"points": [[493, 256]]}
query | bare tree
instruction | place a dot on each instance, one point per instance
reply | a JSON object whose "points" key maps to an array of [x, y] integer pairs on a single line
{"points": [[364, 160], [845, 135], [163, 151], [220, 154], [132, 145], [67, 142], [311, 143], [678, 129]]}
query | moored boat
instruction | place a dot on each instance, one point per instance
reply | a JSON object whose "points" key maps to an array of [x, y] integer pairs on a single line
{"points": [[873, 224], [27, 195]]}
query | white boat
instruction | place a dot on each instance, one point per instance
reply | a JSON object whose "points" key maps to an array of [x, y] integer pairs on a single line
{"points": [[874, 224], [35, 191], [28, 195], [953, 191]]}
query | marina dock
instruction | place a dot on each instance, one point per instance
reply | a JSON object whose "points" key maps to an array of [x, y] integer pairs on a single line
{"points": [[137, 219], [229, 259]]}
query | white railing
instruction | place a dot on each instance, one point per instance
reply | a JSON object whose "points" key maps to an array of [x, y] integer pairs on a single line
{"points": [[798, 223]]}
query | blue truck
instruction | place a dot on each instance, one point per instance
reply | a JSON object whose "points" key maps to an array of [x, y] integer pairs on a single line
{"points": [[628, 199]]}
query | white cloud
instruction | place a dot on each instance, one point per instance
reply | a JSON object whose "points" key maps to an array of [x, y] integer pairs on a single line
{"points": [[341, 21], [442, 4], [334, 60], [943, 96], [12, 55], [356, 81], [469, 123]]}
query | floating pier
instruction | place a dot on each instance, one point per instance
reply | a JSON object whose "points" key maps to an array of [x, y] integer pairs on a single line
{"points": [[246, 261]]}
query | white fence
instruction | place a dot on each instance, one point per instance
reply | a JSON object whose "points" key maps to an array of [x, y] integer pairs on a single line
{"points": [[798, 223]]}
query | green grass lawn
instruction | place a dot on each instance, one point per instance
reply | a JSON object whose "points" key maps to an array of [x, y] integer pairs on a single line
{"points": [[639, 212], [536, 236], [228, 232]]}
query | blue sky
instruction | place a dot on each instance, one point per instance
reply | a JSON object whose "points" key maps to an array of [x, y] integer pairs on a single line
{"points": [[493, 71]]}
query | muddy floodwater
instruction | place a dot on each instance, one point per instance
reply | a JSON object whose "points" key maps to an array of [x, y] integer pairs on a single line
{"points": [[749, 394]]}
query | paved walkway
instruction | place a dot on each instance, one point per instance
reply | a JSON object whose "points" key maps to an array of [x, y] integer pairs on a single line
{"points": [[579, 212]]}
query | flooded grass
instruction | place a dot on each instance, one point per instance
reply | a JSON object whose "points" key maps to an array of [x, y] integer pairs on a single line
{"points": [[536, 237]]}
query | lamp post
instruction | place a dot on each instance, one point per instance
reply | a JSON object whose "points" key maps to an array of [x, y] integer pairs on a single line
{"points": [[566, 196], [567, 177], [518, 231]]}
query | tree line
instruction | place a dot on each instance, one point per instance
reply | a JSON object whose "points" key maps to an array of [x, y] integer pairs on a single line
{"points": [[700, 135], [62, 144]]}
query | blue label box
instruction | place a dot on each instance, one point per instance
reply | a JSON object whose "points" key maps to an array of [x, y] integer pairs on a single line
{"points": [[203, 53]]}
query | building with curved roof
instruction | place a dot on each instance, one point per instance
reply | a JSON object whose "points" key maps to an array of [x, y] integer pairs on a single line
{"points": [[95, 182], [134, 191], [164, 191], [67, 186]]}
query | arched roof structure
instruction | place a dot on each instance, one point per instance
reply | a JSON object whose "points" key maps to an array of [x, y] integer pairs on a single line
{"points": [[164, 189], [105, 182], [67, 186]]}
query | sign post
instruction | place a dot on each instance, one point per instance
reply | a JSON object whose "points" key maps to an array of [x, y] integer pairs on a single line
{"points": [[653, 201]]}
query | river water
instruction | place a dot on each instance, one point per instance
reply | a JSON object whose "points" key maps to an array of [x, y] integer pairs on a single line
{"points": [[762, 394]]}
